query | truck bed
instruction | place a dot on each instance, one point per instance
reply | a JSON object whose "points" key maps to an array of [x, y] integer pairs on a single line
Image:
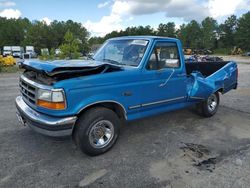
{"points": [[205, 68], [205, 78]]}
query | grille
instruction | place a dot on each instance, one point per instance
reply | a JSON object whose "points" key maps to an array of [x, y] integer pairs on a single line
{"points": [[28, 91]]}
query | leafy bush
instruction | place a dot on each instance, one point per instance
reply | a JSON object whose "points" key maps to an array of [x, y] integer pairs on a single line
{"points": [[52, 54], [44, 55], [70, 47], [222, 51]]}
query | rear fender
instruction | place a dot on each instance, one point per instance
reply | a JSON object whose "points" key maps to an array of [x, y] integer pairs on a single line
{"points": [[199, 87], [222, 80]]}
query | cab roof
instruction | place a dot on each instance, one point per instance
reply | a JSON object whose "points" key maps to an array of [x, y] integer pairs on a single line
{"points": [[144, 37]]}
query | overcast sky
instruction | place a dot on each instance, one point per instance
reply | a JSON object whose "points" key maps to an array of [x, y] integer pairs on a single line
{"points": [[101, 17]]}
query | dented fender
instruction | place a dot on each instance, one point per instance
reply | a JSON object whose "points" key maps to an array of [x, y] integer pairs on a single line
{"points": [[200, 87]]}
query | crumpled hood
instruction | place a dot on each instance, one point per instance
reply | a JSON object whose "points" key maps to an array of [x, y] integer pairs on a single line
{"points": [[50, 66]]}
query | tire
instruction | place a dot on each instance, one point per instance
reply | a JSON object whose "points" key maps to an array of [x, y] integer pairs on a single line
{"points": [[96, 131], [210, 106]]}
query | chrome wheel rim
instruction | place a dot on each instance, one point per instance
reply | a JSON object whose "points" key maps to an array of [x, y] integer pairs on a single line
{"points": [[101, 134], [212, 102]]}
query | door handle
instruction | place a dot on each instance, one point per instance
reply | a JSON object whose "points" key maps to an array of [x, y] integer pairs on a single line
{"points": [[163, 84]]}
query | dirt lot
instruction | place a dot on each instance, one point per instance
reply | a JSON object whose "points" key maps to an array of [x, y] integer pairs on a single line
{"points": [[177, 149], [237, 58]]}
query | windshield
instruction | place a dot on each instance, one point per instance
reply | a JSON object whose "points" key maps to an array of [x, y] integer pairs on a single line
{"points": [[122, 52]]}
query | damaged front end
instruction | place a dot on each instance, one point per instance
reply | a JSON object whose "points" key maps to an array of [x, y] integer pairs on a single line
{"points": [[49, 73]]}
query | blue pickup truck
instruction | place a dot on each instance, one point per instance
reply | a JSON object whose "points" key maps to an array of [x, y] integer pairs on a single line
{"points": [[128, 78]]}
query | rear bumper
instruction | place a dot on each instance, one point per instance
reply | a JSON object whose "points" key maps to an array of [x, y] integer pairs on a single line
{"points": [[44, 124]]}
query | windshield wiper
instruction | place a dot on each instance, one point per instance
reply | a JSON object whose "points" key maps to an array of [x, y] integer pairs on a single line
{"points": [[113, 62]]}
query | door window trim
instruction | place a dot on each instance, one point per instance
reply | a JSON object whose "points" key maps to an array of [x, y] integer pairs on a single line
{"points": [[153, 49]]}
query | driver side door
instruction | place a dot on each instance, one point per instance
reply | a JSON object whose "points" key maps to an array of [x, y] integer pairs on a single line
{"points": [[164, 79]]}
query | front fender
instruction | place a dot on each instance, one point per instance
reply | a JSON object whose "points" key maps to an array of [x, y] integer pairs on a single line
{"points": [[79, 102], [99, 99]]}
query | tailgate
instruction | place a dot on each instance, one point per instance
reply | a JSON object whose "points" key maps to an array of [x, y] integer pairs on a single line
{"points": [[225, 79]]}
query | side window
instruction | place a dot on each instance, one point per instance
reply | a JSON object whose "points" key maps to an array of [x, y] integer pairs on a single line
{"points": [[164, 55]]}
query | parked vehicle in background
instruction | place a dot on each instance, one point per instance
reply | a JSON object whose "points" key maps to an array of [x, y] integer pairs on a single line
{"points": [[57, 52], [30, 52], [246, 54], [7, 50], [17, 51], [128, 78]]}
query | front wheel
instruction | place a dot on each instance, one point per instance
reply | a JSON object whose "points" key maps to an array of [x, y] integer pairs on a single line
{"points": [[97, 131], [210, 106]]}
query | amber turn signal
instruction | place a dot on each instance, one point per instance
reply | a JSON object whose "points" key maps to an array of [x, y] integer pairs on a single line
{"points": [[51, 105]]}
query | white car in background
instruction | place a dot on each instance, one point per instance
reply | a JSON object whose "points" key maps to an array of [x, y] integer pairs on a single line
{"points": [[30, 52], [7, 50], [17, 51]]}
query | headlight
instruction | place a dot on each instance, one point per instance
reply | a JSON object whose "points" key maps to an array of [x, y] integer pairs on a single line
{"points": [[44, 94], [57, 96], [51, 99]]}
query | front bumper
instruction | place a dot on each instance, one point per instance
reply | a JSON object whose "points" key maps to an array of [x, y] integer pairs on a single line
{"points": [[44, 124]]}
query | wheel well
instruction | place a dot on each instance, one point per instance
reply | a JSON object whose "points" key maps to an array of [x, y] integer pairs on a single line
{"points": [[117, 108], [221, 90]]}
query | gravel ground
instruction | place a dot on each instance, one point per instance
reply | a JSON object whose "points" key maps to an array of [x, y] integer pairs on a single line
{"points": [[177, 149], [237, 58]]}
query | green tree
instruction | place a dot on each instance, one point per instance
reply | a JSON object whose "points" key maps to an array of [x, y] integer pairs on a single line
{"points": [[57, 31], [95, 40], [80, 33], [209, 31], [38, 35], [243, 32], [232, 32], [70, 47], [13, 31], [183, 35], [190, 34], [41, 35], [227, 32], [167, 30]]}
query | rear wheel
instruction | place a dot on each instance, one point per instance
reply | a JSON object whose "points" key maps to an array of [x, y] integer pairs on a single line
{"points": [[210, 106], [97, 130]]}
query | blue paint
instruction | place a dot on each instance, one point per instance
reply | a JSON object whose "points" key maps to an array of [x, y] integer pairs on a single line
{"points": [[49, 66], [151, 92]]}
